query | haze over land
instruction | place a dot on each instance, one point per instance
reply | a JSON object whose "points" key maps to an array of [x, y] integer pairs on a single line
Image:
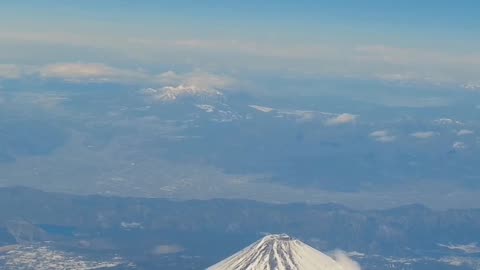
{"points": [[219, 142], [293, 104]]}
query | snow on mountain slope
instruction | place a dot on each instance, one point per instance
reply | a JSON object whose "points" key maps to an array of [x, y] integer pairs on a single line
{"points": [[261, 108], [278, 252], [171, 93]]}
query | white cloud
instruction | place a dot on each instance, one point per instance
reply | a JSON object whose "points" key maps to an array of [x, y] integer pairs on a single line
{"points": [[459, 145], [342, 119], [464, 132], [90, 72], [382, 136], [423, 134], [346, 262]]}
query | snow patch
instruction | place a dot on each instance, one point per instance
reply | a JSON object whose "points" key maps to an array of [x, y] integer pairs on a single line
{"points": [[206, 107], [471, 86], [172, 93], [446, 121], [459, 145], [465, 132], [471, 248], [131, 225], [261, 108]]}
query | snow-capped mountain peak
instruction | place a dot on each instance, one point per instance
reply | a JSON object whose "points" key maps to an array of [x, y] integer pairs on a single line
{"points": [[278, 252], [172, 93]]}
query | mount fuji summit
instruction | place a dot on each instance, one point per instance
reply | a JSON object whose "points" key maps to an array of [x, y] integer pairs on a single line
{"points": [[281, 252]]}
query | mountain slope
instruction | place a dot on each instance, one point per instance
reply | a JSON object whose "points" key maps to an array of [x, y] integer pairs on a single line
{"points": [[278, 252]]}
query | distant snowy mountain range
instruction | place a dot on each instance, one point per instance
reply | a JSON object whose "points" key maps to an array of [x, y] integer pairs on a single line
{"points": [[223, 108], [172, 93]]}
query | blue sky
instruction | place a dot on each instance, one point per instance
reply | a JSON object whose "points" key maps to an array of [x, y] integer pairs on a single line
{"points": [[412, 19], [430, 41]]}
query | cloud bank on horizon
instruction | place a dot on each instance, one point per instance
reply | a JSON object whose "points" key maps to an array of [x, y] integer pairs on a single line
{"points": [[310, 38]]}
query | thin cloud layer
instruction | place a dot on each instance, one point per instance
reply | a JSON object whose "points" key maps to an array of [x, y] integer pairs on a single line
{"points": [[197, 79], [379, 133], [369, 61], [410, 59], [100, 72], [43, 100], [10, 72], [90, 72], [423, 134]]}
